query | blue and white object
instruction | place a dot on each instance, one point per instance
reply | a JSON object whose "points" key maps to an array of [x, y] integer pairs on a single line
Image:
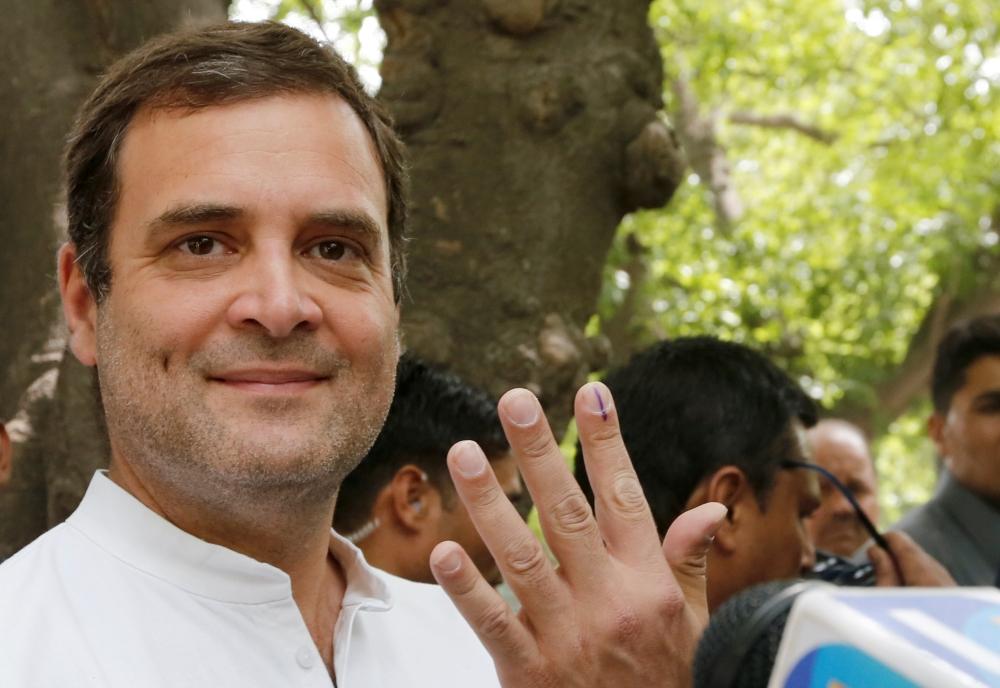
{"points": [[891, 638]]}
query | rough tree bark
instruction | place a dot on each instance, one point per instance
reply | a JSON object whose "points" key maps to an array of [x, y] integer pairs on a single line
{"points": [[52, 53], [533, 127]]}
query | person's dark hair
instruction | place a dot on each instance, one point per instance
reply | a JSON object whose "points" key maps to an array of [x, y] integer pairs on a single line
{"points": [[963, 345], [690, 406], [432, 410], [200, 68]]}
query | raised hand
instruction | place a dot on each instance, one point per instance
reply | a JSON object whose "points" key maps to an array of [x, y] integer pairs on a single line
{"points": [[613, 613], [909, 564]]}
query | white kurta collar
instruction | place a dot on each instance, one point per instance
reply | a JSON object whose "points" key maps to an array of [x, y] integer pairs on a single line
{"points": [[120, 524]]}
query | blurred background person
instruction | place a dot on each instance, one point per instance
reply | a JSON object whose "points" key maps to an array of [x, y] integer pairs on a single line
{"points": [[6, 462], [400, 502], [960, 525], [841, 448], [6, 456]]}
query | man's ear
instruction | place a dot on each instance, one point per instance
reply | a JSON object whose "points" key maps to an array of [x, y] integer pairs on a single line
{"points": [[6, 456], [729, 486], [79, 306], [415, 502], [935, 430]]}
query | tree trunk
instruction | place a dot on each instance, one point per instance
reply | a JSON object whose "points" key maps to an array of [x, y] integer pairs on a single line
{"points": [[533, 126], [52, 53]]}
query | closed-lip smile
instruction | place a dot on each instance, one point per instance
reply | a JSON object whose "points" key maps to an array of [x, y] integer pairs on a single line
{"points": [[269, 379]]}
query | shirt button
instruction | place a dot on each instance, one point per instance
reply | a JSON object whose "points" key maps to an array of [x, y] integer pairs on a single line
{"points": [[304, 656]]}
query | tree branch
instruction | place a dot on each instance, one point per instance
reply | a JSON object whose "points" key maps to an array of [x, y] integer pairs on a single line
{"points": [[705, 154], [784, 121]]}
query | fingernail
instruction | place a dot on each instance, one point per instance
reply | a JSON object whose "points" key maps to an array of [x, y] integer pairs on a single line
{"points": [[520, 407], [597, 399], [449, 563], [718, 510], [469, 459]]}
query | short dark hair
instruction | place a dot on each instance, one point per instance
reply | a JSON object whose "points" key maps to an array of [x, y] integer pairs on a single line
{"points": [[690, 406], [189, 70], [963, 345], [432, 410]]}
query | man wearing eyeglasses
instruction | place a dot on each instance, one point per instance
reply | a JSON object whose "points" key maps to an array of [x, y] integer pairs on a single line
{"points": [[960, 526], [706, 420]]}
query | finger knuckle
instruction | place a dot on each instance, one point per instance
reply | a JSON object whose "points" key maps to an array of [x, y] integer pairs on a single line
{"points": [[495, 622], [572, 515], [534, 446], [627, 497], [526, 559], [670, 603], [603, 435], [626, 626], [488, 497]]}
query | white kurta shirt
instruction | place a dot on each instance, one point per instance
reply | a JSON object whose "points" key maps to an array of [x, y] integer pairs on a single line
{"points": [[118, 596]]}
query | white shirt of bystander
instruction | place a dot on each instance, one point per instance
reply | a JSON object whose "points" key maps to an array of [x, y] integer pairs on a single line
{"points": [[118, 596]]}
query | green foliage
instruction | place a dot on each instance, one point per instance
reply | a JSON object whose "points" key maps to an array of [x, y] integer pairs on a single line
{"points": [[350, 25], [843, 247], [907, 465]]}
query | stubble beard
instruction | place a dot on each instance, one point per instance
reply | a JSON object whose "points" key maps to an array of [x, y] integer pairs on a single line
{"points": [[294, 460]]}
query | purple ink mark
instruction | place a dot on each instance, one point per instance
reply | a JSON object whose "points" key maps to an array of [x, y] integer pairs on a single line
{"points": [[600, 403]]}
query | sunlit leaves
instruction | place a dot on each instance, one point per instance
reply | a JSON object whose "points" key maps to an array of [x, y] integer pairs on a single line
{"points": [[843, 247]]}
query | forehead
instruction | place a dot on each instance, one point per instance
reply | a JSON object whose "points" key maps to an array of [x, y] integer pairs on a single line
{"points": [[292, 150], [840, 449], [982, 375]]}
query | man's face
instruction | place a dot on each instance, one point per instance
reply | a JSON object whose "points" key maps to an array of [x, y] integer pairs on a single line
{"points": [[456, 524], [249, 336], [771, 542], [779, 546], [834, 526], [968, 436]]}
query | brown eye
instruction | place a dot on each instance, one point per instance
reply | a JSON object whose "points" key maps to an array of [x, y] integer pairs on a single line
{"points": [[330, 250], [200, 245]]}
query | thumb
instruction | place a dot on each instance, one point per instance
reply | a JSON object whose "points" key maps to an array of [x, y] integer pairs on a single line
{"points": [[686, 548]]}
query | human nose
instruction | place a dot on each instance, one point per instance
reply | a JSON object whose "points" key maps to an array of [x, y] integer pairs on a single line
{"points": [[273, 297]]}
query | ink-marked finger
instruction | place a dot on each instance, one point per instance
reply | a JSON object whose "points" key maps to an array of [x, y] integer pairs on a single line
{"points": [[566, 518], [517, 552], [623, 514], [502, 634]]}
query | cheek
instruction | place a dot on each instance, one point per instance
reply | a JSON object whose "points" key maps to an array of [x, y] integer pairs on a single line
{"points": [[368, 330], [168, 319], [464, 533]]}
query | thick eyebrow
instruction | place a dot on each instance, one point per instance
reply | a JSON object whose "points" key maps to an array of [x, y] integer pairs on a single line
{"points": [[356, 221], [991, 396], [192, 215]]}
